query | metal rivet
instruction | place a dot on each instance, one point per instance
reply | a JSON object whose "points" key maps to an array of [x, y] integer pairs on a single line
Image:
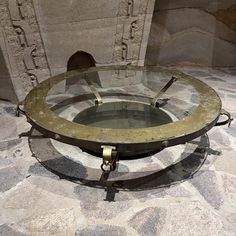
{"points": [[165, 143]]}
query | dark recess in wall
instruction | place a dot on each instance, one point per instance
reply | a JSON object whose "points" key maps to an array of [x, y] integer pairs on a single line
{"points": [[6, 87], [80, 60]]}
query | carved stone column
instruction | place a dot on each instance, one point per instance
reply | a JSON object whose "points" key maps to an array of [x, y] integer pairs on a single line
{"points": [[24, 51], [133, 27], [132, 32]]}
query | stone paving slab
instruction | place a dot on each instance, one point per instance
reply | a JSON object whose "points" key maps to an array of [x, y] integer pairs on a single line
{"points": [[35, 201]]}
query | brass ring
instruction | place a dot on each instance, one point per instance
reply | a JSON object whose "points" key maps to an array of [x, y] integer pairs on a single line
{"points": [[228, 121], [111, 167], [199, 122]]}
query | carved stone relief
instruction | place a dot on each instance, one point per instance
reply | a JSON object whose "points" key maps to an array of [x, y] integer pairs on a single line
{"points": [[129, 31], [25, 43]]}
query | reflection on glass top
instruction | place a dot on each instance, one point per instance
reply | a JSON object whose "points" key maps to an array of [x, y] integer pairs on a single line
{"points": [[123, 115], [180, 99]]}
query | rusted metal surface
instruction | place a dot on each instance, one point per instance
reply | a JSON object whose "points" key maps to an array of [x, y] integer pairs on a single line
{"points": [[126, 141]]}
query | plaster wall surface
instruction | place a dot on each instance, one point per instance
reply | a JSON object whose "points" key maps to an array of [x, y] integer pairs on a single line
{"points": [[193, 32]]}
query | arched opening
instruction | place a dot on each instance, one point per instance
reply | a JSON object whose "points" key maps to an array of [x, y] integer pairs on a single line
{"points": [[81, 60]]}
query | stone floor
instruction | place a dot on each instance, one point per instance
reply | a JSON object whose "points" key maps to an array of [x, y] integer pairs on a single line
{"points": [[191, 195]]}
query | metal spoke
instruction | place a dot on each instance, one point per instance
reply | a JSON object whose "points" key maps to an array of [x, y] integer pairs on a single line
{"points": [[163, 90], [94, 91]]}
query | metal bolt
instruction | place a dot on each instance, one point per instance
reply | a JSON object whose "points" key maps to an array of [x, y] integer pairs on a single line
{"points": [[165, 143]]}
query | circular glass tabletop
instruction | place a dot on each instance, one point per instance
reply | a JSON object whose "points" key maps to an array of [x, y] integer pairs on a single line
{"points": [[128, 107]]}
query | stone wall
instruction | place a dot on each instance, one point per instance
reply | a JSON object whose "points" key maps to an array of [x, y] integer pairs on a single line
{"points": [[199, 32], [39, 36], [6, 87], [113, 32], [22, 47]]}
